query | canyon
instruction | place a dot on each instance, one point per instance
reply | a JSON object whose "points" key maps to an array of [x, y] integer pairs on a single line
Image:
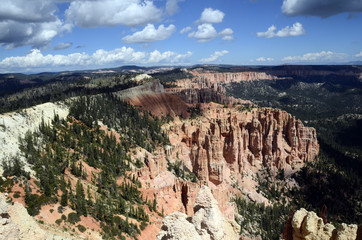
{"points": [[225, 146]]}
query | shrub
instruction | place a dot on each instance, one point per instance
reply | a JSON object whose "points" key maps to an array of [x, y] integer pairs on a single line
{"points": [[73, 218], [16, 194], [81, 228], [58, 221]]}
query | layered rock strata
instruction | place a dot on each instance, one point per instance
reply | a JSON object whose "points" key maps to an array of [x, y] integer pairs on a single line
{"points": [[207, 86], [228, 141]]}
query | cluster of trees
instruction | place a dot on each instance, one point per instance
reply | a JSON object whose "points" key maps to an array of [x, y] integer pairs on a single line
{"points": [[68, 145], [139, 128], [61, 88], [260, 220]]}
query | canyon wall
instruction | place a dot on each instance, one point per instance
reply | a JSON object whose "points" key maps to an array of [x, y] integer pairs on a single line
{"points": [[228, 141], [208, 86]]}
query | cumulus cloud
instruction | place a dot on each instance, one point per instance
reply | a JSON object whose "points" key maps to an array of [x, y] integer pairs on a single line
{"points": [[210, 15], [263, 59], [36, 60], [172, 6], [205, 32], [113, 12], [215, 56], [185, 30], [296, 30], [168, 56], [62, 46], [150, 34], [33, 23], [320, 8], [227, 34], [359, 54], [323, 56]]}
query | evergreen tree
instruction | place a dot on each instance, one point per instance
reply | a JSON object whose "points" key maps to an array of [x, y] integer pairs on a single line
{"points": [[80, 200]]}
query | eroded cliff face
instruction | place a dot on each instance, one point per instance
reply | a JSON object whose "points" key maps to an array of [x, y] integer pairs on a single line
{"points": [[227, 141], [208, 86]]}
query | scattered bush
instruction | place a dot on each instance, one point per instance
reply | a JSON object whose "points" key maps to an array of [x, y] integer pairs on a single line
{"points": [[73, 218]]}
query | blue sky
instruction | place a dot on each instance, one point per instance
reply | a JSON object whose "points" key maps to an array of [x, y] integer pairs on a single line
{"points": [[56, 35]]}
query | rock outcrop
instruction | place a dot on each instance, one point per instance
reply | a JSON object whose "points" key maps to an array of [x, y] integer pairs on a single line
{"points": [[16, 223], [308, 226], [207, 222], [228, 141]]}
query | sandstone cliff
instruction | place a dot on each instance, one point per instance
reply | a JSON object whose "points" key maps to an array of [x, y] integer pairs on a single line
{"points": [[227, 141], [207, 86], [207, 223]]}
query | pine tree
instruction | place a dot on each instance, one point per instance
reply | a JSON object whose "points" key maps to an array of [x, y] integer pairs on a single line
{"points": [[64, 198], [80, 201]]}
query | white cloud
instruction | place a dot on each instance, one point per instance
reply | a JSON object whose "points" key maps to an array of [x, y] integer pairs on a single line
{"points": [[33, 23], [150, 34], [205, 32], [172, 6], [359, 54], [320, 8], [324, 56], [62, 46], [215, 56], [263, 59], [36, 61], [113, 12], [168, 57], [227, 34], [27, 11], [210, 15], [296, 30], [185, 30]]}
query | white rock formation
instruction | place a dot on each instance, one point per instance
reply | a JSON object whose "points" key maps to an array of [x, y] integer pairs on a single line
{"points": [[208, 222], [14, 125], [308, 226], [177, 227]]}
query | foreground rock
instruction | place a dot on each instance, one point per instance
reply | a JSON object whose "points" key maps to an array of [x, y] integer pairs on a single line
{"points": [[207, 223], [16, 223], [306, 225]]}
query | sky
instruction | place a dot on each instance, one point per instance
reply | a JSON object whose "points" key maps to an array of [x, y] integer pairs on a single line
{"points": [[58, 35]]}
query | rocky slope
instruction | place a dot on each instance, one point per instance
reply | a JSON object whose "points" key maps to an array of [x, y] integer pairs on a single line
{"points": [[15, 223], [152, 97], [14, 125]]}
